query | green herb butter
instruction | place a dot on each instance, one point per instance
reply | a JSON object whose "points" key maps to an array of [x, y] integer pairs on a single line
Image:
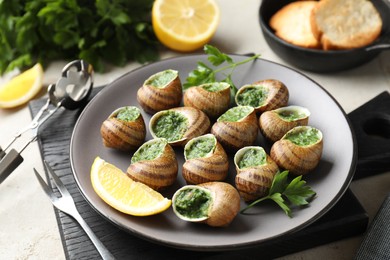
{"points": [[161, 79], [215, 86], [149, 150], [235, 114], [193, 203], [290, 115], [170, 125], [128, 114], [252, 157], [303, 136], [252, 95], [200, 147]]}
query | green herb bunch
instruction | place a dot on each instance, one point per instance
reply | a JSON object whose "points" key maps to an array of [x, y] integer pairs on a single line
{"points": [[220, 63], [287, 194], [98, 31]]}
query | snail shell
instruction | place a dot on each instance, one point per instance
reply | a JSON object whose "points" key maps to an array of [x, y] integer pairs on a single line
{"points": [[213, 165], [272, 94], [254, 181], [234, 135], [196, 124], [298, 159], [124, 135], [219, 209], [158, 171], [160, 91], [211, 98], [276, 123]]}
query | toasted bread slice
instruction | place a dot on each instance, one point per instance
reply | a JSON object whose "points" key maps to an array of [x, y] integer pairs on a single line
{"points": [[292, 24], [345, 24]]}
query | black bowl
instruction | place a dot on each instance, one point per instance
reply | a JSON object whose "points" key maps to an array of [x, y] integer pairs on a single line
{"points": [[319, 60]]}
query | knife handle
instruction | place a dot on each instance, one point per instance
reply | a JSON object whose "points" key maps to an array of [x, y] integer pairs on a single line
{"points": [[9, 163]]}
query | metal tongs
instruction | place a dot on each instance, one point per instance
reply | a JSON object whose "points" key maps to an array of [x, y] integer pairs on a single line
{"points": [[71, 91]]}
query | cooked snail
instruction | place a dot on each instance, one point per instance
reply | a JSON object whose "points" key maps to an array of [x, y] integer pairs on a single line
{"points": [[211, 98], [263, 95], [179, 125], [276, 123], [236, 128], [160, 91], [255, 172], [124, 129], [213, 203], [154, 164], [206, 160], [299, 150]]}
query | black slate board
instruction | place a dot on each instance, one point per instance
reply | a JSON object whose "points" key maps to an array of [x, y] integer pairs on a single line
{"points": [[347, 218]]}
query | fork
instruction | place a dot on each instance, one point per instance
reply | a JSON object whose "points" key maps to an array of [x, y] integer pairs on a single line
{"points": [[66, 204]]}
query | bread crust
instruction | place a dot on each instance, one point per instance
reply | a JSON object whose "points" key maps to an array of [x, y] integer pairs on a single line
{"points": [[292, 24], [345, 24]]}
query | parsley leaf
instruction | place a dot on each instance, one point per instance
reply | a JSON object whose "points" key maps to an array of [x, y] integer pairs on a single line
{"points": [[206, 74], [285, 194]]}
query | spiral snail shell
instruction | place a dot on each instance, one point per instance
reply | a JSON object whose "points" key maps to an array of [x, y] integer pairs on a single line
{"points": [[255, 172], [160, 91], [211, 98], [154, 164], [274, 124], [236, 128], [213, 203], [206, 160], [263, 95], [299, 150], [179, 125], [124, 129]]}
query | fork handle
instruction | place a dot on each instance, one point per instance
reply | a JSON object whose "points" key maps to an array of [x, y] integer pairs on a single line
{"points": [[106, 255]]}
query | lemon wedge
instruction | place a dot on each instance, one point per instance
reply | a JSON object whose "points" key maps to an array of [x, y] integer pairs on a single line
{"points": [[122, 193], [21, 88], [185, 25]]}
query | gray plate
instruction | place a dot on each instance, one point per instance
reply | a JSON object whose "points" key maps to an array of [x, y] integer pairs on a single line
{"points": [[266, 222]]}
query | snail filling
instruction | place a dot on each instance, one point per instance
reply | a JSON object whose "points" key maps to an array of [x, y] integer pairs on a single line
{"points": [[200, 147], [161, 79], [235, 114], [171, 126], [252, 95], [193, 202], [213, 203]]}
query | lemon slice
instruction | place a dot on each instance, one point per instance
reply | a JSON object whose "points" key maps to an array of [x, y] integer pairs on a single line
{"points": [[185, 25], [22, 88], [122, 193]]}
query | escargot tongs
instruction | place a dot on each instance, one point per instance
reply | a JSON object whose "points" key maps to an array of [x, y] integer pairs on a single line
{"points": [[71, 91]]}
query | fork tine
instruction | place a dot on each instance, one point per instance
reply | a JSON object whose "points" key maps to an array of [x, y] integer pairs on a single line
{"points": [[61, 187], [43, 184]]}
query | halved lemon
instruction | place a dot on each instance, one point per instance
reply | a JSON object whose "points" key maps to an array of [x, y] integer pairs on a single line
{"points": [[185, 25], [22, 88], [122, 193]]}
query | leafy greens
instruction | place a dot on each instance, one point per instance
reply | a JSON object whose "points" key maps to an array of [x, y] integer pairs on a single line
{"points": [[206, 74], [296, 193], [98, 31]]}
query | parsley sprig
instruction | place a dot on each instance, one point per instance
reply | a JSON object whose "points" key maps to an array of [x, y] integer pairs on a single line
{"points": [[206, 74], [296, 193]]}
